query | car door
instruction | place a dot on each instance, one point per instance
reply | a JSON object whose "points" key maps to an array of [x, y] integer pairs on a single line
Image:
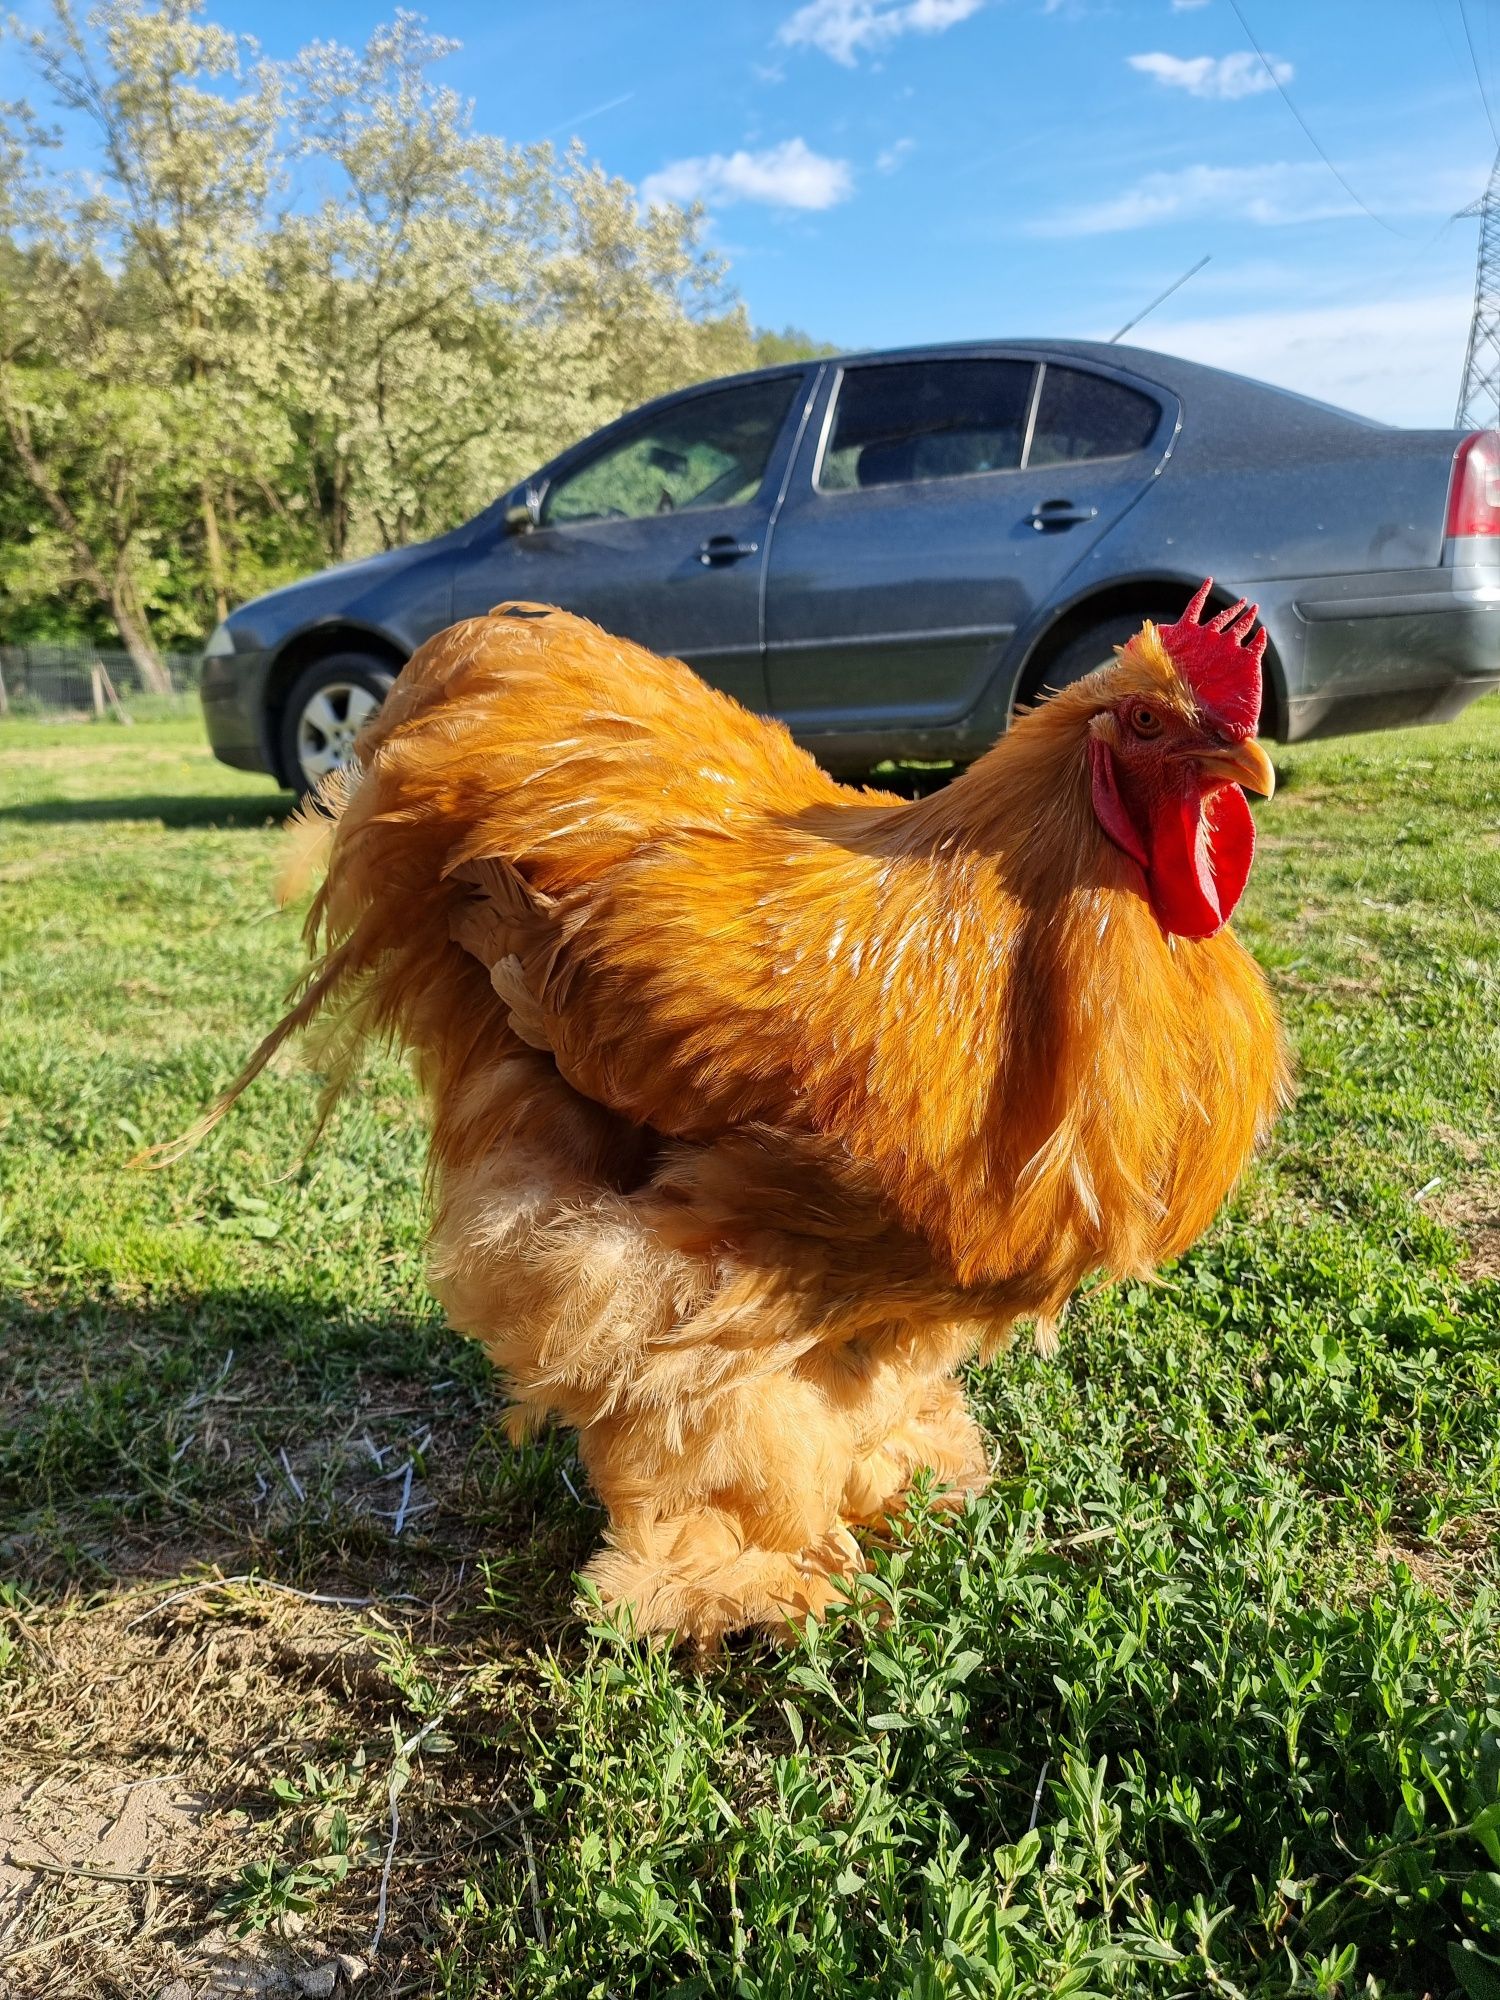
{"points": [[936, 503], [659, 529]]}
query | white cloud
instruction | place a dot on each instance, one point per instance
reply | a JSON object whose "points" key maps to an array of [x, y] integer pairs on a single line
{"points": [[1239, 75], [1275, 192], [790, 175], [1398, 360], [842, 28], [888, 160], [1187, 6]]}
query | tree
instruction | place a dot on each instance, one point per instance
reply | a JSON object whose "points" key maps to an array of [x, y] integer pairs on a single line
{"points": [[396, 292], [300, 312], [462, 306], [134, 357], [791, 344], [83, 444], [638, 302]]}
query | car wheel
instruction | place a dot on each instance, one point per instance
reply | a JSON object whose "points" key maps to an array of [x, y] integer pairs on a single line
{"points": [[329, 704], [1091, 649]]}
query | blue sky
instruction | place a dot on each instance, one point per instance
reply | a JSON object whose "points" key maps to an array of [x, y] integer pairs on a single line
{"points": [[881, 171]]}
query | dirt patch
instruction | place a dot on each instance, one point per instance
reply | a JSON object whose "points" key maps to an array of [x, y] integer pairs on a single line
{"points": [[1449, 1567], [91, 1859], [98, 1825], [1471, 1209], [1326, 982], [1458, 1142], [145, 1743]]}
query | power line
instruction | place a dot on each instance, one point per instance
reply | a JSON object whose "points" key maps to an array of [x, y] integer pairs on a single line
{"points": [[1307, 129], [1441, 18], [1463, 15]]}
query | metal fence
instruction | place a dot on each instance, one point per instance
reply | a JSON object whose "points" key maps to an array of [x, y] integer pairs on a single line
{"points": [[87, 680]]}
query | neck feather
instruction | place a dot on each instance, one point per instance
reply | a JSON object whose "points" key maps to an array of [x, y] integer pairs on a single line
{"points": [[1026, 806]]}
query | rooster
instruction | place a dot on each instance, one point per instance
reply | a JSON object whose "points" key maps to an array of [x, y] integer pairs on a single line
{"points": [[758, 1103]]}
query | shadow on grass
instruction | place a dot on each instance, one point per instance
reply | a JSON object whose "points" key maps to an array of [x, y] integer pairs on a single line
{"points": [[271, 1431], [164, 810], [234, 1526]]}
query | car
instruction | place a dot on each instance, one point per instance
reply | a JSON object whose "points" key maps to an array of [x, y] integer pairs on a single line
{"points": [[893, 551]]}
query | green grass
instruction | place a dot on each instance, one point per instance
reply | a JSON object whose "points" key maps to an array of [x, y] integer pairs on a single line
{"points": [[1203, 1697]]}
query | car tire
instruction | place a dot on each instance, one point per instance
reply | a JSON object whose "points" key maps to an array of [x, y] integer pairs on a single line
{"points": [[328, 705], [1096, 648], [1091, 649]]}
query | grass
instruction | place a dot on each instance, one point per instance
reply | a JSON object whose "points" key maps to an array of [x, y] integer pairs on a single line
{"points": [[1204, 1697]]}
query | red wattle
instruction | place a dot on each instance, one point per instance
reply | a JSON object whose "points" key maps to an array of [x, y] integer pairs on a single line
{"points": [[1194, 847], [1231, 839], [1201, 848]]}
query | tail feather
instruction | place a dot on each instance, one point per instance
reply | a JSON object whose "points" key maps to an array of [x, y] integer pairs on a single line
{"points": [[309, 833], [322, 988], [388, 959]]}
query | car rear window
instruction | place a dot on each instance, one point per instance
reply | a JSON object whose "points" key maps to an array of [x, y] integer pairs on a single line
{"points": [[1088, 416], [920, 420]]}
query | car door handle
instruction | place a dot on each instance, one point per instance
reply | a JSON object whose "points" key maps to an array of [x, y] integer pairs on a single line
{"points": [[1059, 514], [724, 549]]}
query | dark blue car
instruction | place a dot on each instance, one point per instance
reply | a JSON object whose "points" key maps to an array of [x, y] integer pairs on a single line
{"points": [[890, 551]]}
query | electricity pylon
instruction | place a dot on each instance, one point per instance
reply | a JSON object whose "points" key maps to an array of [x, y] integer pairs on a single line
{"points": [[1479, 398]]}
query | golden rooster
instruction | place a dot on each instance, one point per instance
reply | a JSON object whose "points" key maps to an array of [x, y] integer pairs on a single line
{"points": [[759, 1103]]}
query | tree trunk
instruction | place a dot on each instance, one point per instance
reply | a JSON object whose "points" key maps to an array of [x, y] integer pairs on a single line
{"points": [[232, 539], [340, 523], [134, 633], [129, 614], [214, 549]]}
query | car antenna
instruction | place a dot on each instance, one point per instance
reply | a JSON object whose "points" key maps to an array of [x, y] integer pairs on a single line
{"points": [[1175, 285]]}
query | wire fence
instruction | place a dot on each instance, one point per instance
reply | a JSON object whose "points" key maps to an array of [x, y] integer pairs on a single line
{"points": [[62, 681]]}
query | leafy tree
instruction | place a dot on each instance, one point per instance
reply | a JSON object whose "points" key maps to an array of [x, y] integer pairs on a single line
{"points": [[133, 369], [299, 312], [462, 307], [791, 344], [403, 292]]}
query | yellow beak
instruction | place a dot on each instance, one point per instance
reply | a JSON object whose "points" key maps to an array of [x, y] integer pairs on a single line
{"points": [[1246, 764]]}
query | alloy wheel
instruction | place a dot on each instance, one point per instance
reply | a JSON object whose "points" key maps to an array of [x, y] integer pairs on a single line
{"points": [[328, 725]]}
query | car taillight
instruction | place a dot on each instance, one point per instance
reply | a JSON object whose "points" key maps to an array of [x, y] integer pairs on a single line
{"points": [[1474, 493]]}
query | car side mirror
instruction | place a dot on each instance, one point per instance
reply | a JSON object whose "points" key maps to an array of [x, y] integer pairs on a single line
{"points": [[524, 513]]}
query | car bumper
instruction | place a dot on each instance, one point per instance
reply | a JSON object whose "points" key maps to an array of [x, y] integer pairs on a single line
{"points": [[1390, 648], [231, 694]]}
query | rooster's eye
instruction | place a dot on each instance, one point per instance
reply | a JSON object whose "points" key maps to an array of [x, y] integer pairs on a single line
{"points": [[1145, 721]]}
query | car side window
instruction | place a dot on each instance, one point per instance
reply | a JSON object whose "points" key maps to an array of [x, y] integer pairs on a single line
{"points": [[1088, 416], [919, 420], [711, 451]]}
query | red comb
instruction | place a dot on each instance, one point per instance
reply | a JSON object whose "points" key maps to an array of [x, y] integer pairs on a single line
{"points": [[1218, 664]]}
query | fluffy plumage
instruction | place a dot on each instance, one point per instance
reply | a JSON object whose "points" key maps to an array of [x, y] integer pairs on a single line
{"points": [[759, 1103]]}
